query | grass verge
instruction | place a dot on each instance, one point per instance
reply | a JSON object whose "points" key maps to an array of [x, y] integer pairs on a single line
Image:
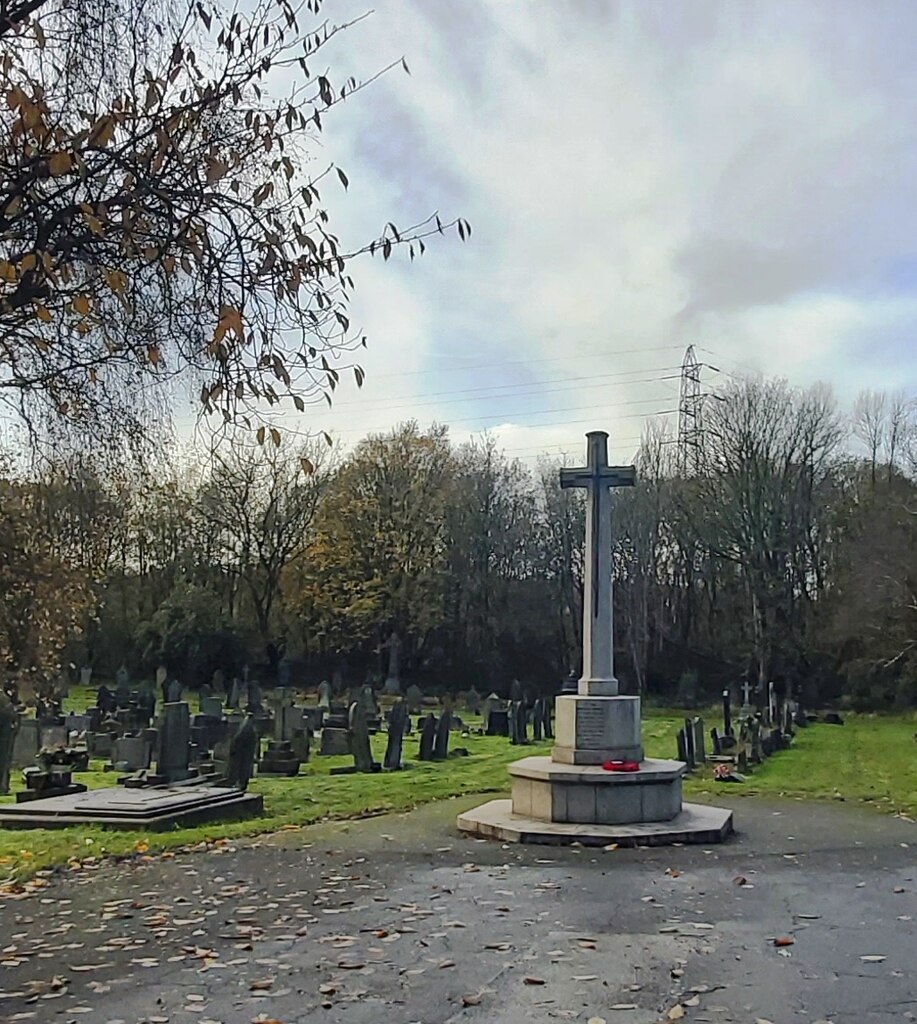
{"points": [[871, 759]]}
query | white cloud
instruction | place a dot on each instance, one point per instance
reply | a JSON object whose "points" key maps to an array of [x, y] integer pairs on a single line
{"points": [[739, 176]]}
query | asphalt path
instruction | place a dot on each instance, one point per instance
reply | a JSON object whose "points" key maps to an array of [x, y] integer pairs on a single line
{"points": [[400, 919]]}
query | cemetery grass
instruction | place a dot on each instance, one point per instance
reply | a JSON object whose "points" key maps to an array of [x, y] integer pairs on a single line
{"points": [[870, 760]]}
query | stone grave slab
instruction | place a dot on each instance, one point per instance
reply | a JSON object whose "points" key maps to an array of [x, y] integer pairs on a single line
{"points": [[152, 808]]}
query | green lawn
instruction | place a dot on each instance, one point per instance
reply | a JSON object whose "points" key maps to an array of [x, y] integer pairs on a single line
{"points": [[871, 759]]}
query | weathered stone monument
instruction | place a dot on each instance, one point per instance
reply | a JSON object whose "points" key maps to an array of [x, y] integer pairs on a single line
{"points": [[597, 787], [393, 679]]}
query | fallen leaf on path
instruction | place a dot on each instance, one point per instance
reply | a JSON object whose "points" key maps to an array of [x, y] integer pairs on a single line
{"points": [[784, 940], [471, 1000], [447, 963], [530, 980], [872, 958], [260, 985], [596, 1020], [676, 1013]]}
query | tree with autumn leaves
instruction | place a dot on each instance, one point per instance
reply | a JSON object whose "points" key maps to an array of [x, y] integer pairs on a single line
{"points": [[161, 212]]}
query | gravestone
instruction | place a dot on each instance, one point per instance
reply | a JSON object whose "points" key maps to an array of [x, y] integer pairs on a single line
{"points": [[700, 753], [515, 691], [105, 700], [146, 705], [359, 739], [498, 722], [77, 724], [99, 744], [727, 714], [287, 717], [254, 697], [63, 682], [368, 703], [537, 722], [715, 741], [162, 685], [284, 673], [301, 744], [242, 751], [473, 702], [747, 710], [414, 699], [173, 692], [324, 695], [218, 683], [335, 738], [393, 679], [691, 759], [53, 736], [86, 676], [212, 707], [518, 723], [441, 740], [131, 753], [122, 686], [234, 697], [9, 727], [174, 754], [397, 722], [427, 738], [279, 759]]}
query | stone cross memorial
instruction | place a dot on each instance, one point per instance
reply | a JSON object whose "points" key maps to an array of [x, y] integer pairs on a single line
{"points": [[597, 787]]}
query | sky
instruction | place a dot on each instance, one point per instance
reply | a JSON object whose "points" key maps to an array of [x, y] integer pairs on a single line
{"points": [[638, 177]]}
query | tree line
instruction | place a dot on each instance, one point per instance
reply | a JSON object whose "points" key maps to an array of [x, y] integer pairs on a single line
{"points": [[782, 546]]}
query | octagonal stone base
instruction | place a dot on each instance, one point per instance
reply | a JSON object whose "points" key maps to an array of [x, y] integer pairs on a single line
{"points": [[544, 790], [695, 823]]}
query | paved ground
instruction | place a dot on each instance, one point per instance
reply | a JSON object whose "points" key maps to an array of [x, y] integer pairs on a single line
{"points": [[399, 919]]}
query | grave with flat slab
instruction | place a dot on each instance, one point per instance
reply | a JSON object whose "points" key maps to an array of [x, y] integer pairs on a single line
{"points": [[153, 808]]}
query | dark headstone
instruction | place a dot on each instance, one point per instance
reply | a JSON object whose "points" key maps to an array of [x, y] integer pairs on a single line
{"points": [[715, 741], [681, 743], [427, 738], [397, 721], [174, 755], [515, 690], [473, 702], [691, 759], [833, 718], [518, 723], [243, 748], [414, 698], [537, 721], [359, 739], [700, 752], [173, 692], [727, 714], [441, 741], [105, 700], [498, 722]]}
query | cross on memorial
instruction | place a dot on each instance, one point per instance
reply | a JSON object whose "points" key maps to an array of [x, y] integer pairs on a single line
{"points": [[596, 477], [746, 693]]}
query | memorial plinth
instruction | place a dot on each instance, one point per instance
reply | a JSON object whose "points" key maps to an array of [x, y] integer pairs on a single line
{"points": [[580, 793]]}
